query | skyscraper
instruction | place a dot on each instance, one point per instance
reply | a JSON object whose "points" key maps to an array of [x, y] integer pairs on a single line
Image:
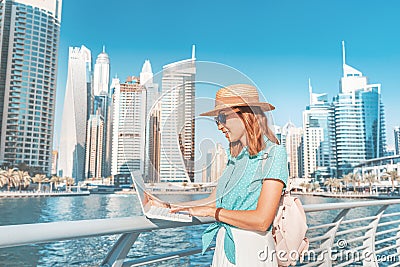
{"points": [[99, 118], [177, 121], [153, 135], [294, 137], [218, 164], [29, 36], [101, 76], [94, 147], [359, 120], [128, 143], [318, 153], [77, 110], [397, 140]]}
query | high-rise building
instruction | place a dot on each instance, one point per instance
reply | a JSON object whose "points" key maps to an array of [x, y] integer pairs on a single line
{"points": [[100, 110], [318, 153], [153, 135], [397, 140], [77, 110], [29, 36], [177, 121], [294, 137], [218, 163], [359, 120], [101, 76], [128, 143], [54, 162], [94, 147], [154, 145]]}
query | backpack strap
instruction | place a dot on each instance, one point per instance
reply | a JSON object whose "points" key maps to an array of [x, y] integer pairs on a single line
{"points": [[265, 158]]}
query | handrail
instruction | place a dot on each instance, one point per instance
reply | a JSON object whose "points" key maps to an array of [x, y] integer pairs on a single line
{"points": [[131, 227], [24, 234]]}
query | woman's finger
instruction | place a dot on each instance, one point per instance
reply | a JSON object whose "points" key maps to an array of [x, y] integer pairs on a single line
{"points": [[179, 209]]}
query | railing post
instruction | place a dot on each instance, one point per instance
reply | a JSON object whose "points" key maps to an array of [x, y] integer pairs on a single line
{"points": [[369, 242], [327, 245], [117, 254]]}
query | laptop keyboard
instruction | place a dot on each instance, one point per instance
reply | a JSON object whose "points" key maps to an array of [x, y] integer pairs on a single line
{"points": [[164, 214]]}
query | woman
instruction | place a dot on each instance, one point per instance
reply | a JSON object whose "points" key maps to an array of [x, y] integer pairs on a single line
{"points": [[247, 195]]}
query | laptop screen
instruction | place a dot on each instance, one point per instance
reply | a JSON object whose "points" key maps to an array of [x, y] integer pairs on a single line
{"points": [[138, 181]]}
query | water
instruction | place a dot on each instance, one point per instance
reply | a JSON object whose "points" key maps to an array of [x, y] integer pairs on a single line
{"points": [[91, 251]]}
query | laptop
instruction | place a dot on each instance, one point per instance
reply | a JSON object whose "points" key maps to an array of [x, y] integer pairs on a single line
{"points": [[153, 212]]}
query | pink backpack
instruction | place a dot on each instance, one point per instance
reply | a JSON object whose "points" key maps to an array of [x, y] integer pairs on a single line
{"points": [[289, 229]]}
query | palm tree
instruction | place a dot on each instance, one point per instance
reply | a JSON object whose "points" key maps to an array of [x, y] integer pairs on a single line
{"points": [[23, 178], [54, 180], [3, 181], [309, 187], [316, 186], [303, 186], [370, 179], [348, 178], [9, 178], [392, 176], [332, 183], [69, 181], [39, 178]]}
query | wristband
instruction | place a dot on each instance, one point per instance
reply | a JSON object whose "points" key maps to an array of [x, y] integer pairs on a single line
{"points": [[216, 216]]}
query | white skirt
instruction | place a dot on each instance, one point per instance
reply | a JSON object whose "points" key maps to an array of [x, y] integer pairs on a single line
{"points": [[252, 249]]}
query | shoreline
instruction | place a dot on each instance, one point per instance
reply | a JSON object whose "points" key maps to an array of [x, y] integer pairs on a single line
{"points": [[42, 194], [341, 195]]}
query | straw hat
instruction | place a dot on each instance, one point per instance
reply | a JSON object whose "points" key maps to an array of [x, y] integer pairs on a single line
{"points": [[237, 95]]}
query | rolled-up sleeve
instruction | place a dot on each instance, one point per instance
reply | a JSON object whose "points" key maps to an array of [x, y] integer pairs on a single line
{"points": [[276, 165]]}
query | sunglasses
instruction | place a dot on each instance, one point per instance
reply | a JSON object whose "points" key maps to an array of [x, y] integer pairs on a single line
{"points": [[221, 117]]}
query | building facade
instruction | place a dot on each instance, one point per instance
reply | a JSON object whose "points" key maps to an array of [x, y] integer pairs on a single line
{"points": [[94, 147], [77, 110], [359, 120], [218, 162], [128, 142], [100, 165], [29, 37], [177, 121], [54, 163], [294, 143], [101, 75], [318, 141], [153, 116], [397, 140]]}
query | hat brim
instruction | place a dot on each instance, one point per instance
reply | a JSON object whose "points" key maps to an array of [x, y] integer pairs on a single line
{"points": [[263, 105]]}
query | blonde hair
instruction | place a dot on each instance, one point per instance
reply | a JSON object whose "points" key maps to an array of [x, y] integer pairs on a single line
{"points": [[256, 125]]}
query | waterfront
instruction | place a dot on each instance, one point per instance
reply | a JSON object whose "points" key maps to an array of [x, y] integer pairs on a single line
{"points": [[90, 252]]}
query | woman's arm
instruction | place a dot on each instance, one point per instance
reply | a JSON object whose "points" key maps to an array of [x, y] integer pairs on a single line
{"points": [[257, 220], [208, 201]]}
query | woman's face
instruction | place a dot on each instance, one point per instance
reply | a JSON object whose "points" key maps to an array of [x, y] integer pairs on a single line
{"points": [[233, 127]]}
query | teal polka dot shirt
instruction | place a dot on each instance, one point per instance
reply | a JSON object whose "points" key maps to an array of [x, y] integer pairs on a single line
{"points": [[240, 185]]}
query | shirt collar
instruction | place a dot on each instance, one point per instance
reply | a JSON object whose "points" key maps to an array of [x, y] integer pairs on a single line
{"points": [[245, 151]]}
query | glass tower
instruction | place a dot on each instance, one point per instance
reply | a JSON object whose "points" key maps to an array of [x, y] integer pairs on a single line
{"points": [[359, 120], [29, 36], [76, 112], [318, 152], [177, 121]]}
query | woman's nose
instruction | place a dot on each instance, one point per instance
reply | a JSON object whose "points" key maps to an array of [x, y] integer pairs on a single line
{"points": [[220, 126]]}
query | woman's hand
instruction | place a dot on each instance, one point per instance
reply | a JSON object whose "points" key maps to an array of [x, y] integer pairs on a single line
{"points": [[154, 201], [201, 211]]}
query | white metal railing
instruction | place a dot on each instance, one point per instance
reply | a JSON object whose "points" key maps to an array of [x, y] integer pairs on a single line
{"points": [[369, 237]]}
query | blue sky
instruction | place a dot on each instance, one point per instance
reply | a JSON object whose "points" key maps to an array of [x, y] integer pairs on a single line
{"points": [[278, 44]]}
